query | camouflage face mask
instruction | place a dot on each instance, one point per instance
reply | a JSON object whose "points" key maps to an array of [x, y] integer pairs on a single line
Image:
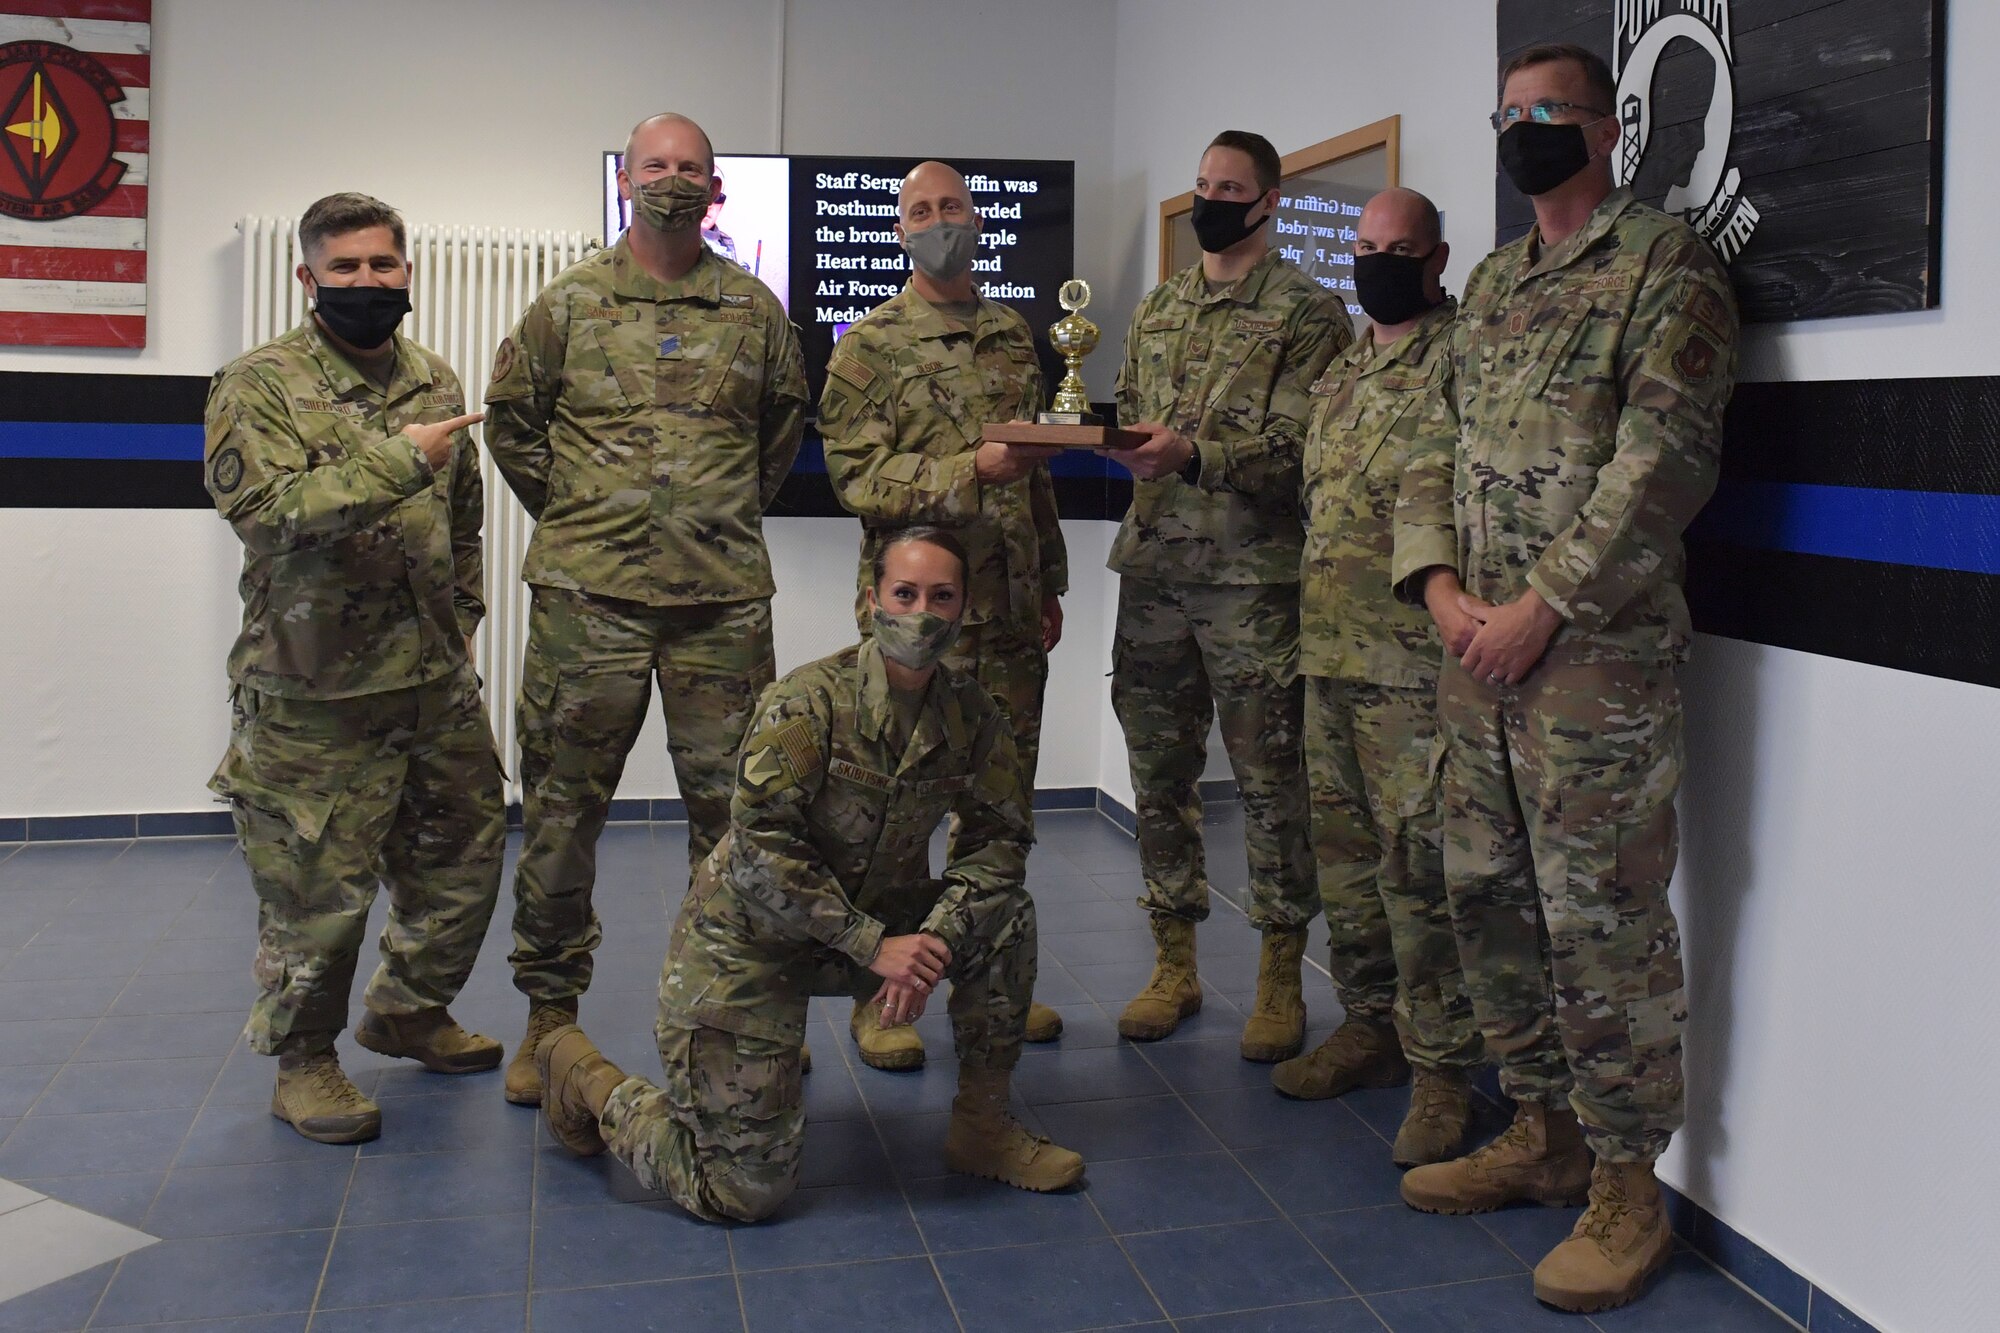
{"points": [[671, 203], [915, 640]]}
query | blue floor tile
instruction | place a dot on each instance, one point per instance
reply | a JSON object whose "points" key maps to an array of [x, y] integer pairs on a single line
{"points": [[174, 956], [42, 1041], [189, 993], [563, 1180], [130, 1085], [122, 1196], [625, 1242], [36, 961], [1206, 1066], [1240, 1267], [73, 1145], [1156, 1193], [231, 1134], [1110, 1131], [1386, 1249], [1691, 1293], [464, 1110], [1750, 1265], [913, 1092], [1331, 1174], [412, 1261], [1078, 1076], [421, 1186], [690, 1305], [842, 1152], [1085, 1027], [20, 1085], [1062, 914], [63, 997], [894, 1296], [269, 1196], [961, 1213], [1342, 1316], [830, 1226], [478, 1314], [1046, 1288], [266, 1323], [1258, 1117], [161, 1036], [216, 1276], [1101, 946], [57, 1307], [1497, 1305], [1530, 1231]]}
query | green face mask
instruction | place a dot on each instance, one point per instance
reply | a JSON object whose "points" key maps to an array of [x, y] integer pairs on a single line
{"points": [[916, 640], [671, 203]]}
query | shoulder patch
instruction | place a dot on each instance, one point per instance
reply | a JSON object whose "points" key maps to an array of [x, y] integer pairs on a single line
{"points": [[851, 369], [227, 471], [776, 760], [1710, 311], [503, 360]]}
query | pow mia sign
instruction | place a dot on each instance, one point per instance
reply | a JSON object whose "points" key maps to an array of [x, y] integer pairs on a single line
{"points": [[1711, 199], [1801, 141]]}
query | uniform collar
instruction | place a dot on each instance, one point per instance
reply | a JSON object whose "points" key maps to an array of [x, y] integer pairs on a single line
{"points": [[629, 277], [1244, 291], [940, 720], [409, 373], [1411, 348], [925, 320], [1572, 247]]}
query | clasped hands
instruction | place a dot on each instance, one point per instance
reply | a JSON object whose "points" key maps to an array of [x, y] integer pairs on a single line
{"points": [[1497, 644], [910, 967]]}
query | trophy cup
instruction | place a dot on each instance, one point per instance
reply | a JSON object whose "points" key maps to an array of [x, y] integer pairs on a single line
{"points": [[1069, 423]]}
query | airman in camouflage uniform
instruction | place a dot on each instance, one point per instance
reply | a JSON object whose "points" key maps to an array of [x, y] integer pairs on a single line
{"points": [[1371, 667], [907, 392], [359, 750], [646, 423], [1217, 369], [1578, 436], [824, 865]]}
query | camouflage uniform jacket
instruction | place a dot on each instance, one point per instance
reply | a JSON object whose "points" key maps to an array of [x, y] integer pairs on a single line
{"points": [[1229, 370], [647, 427], [1581, 431], [361, 566], [906, 395], [829, 837], [1366, 410]]}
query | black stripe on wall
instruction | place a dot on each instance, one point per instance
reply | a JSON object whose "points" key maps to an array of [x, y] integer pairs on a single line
{"points": [[1903, 435], [154, 400], [1936, 622]]}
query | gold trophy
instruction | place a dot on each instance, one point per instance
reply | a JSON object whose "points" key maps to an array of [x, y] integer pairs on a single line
{"points": [[1069, 423], [1075, 337]]}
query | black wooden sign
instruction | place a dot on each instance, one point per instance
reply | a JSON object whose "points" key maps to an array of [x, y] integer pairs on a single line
{"points": [[1803, 138]]}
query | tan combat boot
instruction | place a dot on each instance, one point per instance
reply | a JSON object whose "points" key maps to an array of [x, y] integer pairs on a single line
{"points": [[1440, 1113], [1044, 1023], [1622, 1239], [1277, 1025], [884, 1047], [432, 1038], [1173, 993], [524, 1085], [576, 1081], [984, 1139], [315, 1097], [1541, 1157], [1358, 1055]]}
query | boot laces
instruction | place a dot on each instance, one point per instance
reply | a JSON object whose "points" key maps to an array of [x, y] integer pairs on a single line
{"points": [[1513, 1139], [1433, 1098], [1610, 1206], [325, 1077], [1349, 1045]]}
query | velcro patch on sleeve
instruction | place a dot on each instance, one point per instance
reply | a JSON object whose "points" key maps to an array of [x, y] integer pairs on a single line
{"points": [[853, 371], [776, 760]]}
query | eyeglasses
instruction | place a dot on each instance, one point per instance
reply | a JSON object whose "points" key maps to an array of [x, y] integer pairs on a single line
{"points": [[1542, 113]]}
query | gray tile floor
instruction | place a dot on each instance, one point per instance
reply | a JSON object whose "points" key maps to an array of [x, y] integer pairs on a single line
{"points": [[1210, 1204]]}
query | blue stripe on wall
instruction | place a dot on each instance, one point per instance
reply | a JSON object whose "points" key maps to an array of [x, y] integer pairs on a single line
{"points": [[1930, 529], [94, 439]]}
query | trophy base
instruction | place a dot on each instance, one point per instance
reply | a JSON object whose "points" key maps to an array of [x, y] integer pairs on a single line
{"points": [[1068, 419], [1059, 436]]}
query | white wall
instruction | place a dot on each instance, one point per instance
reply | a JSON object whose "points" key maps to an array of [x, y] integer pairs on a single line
{"points": [[478, 113], [1836, 893]]}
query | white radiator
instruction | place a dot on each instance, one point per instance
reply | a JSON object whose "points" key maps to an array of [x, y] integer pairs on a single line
{"points": [[470, 285]]}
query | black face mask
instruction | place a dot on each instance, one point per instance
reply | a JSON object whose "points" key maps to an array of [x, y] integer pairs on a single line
{"points": [[1537, 157], [1221, 223], [1391, 287], [362, 317]]}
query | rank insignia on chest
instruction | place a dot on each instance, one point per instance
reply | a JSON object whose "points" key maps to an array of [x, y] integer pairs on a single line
{"points": [[1517, 323], [1198, 348]]}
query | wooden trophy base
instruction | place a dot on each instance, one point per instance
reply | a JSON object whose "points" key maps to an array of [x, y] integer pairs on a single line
{"points": [[1049, 435]]}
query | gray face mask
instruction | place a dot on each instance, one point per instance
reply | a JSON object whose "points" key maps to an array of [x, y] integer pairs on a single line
{"points": [[916, 639], [944, 250]]}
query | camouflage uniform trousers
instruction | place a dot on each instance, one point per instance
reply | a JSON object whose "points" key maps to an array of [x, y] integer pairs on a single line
{"points": [[591, 663], [723, 1132], [1560, 840], [1181, 652], [1371, 760], [332, 797]]}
